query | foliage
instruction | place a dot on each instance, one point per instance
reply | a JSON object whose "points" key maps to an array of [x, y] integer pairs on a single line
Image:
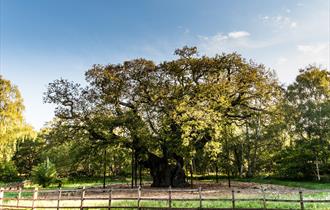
{"points": [[307, 111], [8, 171], [166, 113], [196, 113], [75, 155], [28, 154], [44, 173], [12, 124]]}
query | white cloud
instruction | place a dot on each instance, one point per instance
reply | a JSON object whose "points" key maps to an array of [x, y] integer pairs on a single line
{"points": [[184, 29], [305, 54], [293, 25], [265, 18], [238, 34], [216, 38], [318, 53], [313, 48], [300, 4], [235, 41], [279, 21], [281, 60]]}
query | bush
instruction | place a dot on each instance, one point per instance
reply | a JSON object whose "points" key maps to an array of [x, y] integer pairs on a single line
{"points": [[295, 163], [44, 174], [8, 171]]}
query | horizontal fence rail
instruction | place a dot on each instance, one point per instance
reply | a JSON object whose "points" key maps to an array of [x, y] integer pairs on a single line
{"points": [[134, 198]]}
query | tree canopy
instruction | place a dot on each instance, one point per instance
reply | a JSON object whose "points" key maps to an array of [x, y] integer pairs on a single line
{"points": [[166, 112], [12, 124], [193, 114]]}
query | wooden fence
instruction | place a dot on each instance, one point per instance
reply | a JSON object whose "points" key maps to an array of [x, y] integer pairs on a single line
{"points": [[65, 198]]}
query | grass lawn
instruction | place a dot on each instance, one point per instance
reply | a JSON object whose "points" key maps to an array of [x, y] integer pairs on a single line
{"points": [[79, 183], [312, 185]]}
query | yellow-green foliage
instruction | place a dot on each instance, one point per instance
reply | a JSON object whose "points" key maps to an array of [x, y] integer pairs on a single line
{"points": [[12, 125]]}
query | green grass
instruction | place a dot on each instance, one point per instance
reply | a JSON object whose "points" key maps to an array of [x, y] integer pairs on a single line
{"points": [[79, 183], [2, 184], [313, 185]]}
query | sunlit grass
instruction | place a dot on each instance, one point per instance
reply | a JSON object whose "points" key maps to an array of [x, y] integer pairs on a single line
{"points": [[290, 183]]}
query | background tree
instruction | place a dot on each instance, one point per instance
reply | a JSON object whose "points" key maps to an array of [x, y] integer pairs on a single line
{"points": [[12, 127], [11, 118], [29, 153], [308, 116]]}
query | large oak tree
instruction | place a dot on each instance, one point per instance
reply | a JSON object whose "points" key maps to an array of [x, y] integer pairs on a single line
{"points": [[165, 112]]}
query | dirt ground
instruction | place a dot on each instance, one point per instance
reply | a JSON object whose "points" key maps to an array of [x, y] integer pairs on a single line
{"points": [[208, 190]]}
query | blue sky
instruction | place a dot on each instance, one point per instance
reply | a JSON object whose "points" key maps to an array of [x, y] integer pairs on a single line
{"points": [[42, 40]]}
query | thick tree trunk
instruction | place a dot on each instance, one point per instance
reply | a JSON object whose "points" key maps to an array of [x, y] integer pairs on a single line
{"points": [[140, 174], [191, 176], [239, 159], [216, 173], [163, 174]]}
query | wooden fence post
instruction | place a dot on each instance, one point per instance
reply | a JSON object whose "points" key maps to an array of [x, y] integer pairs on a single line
{"points": [[2, 193], [263, 198], [170, 197], [19, 196], [82, 198], [35, 197], [301, 200], [233, 198], [59, 198], [139, 196], [200, 197], [110, 198]]}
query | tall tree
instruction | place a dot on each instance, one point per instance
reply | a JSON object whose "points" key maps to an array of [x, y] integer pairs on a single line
{"points": [[165, 112], [12, 124], [308, 117]]}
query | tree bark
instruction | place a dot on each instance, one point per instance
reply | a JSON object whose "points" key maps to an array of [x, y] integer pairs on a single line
{"points": [[163, 174], [216, 173], [191, 176]]}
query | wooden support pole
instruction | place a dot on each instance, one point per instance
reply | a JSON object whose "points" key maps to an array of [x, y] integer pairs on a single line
{"points": [[19, 196], [82, 198], [104, 166], [2, 193], [200, 197], [35, 197], [59, 198], [301, 200], [139, 196], [233, 198], [263, 197], [110, 198], [170, 197]]}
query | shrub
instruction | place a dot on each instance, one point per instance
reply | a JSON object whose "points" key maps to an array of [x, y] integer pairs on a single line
{"points": [[44, 174], [8, 171], [295, 163]]}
